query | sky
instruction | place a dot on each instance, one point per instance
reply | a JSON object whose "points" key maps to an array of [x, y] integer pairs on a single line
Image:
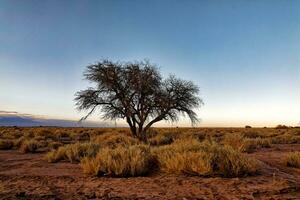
{"points": [[244, 55]]}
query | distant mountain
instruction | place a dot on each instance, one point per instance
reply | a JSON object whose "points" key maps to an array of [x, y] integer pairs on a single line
{"points": [[19, 120]]}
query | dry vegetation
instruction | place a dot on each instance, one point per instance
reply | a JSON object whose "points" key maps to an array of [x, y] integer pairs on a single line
{"points": [[195, 152], [293, 159], [113, 152]]}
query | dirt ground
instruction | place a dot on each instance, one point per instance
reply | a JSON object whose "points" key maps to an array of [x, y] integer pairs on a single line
{"points": [[29, 176]]}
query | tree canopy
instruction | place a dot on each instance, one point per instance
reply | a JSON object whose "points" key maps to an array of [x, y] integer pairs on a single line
{"points": [[137, 92]]}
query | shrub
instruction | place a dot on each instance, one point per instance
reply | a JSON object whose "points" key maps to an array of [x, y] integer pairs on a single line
{"points": [[18, 142], [29, 146], [251, 134], [73, 152], [286, 139], [247, 126], [230, 163], [236, 141], [281, 127], [134, 160], [6, 144], [60, 134], [250, 145], [42, 134], [114, 140], [189, 162], [206, 158], [293, 159], [12, 134], [55, 145], [56, 155], [160, 140]]}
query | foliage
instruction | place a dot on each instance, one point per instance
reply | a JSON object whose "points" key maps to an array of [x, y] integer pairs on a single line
{"points": [[136, 92]]}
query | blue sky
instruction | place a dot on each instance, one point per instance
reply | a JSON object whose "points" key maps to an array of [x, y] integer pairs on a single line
{"points": [[244, 55]]}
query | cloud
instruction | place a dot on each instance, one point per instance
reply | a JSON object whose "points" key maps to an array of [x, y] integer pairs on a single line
{"points": [[8, 112]]}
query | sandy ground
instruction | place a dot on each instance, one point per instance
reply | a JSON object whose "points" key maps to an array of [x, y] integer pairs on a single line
{"points": [[28, 176]]}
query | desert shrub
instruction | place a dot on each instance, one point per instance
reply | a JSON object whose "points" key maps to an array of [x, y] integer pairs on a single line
{"points": [[189, 162], [294, 131], [185, 144], [250, 145], [293, 159], [73, 152], [122, 161], [43, 134], [29, 146], [231, 163], [56, 155], [12, 134], [281, 127], [251, 134], [114, 140], [160, 140], [40, 138], [206, 158], [286, 139], [247, 126], [61, 133], [54, 145], [192, 134], [18, 142], [29, 134], [235, 140], [6, 144]]}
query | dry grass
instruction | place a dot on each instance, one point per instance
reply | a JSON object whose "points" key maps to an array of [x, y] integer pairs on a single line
{"points": [[286, 139], [134, 160], [160, 139], [29, 146], [113, 152], [6, 144], [54, 145], [246, 144], [18, 142], [114, 140], [293, 159], [206, 158], [236, 141], [73, 152], [251, 145], [56, 155]]}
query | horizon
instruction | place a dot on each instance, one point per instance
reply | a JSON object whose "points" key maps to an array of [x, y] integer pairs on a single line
{"points": [[244, 55]]}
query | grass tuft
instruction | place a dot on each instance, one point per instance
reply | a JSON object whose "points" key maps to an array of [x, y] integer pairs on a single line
{"points": [[134, 160], [6, 144], [29, 146], [73, 152], [293, 159]]}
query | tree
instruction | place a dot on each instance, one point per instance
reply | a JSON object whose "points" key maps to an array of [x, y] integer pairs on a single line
{"points": [[136, 92]]}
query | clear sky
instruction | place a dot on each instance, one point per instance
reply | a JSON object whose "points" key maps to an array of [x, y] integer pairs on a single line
{"points": [[244, 55]]}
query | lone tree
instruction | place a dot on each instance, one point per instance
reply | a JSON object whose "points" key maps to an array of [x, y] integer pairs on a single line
{"points": [[136, 92]]}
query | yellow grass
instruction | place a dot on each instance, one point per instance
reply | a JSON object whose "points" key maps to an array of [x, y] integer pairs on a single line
{"points": [[122, 161], [293, 159]]}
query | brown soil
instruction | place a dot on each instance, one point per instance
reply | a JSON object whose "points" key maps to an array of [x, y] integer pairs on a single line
{"points": [[29, 176]]}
